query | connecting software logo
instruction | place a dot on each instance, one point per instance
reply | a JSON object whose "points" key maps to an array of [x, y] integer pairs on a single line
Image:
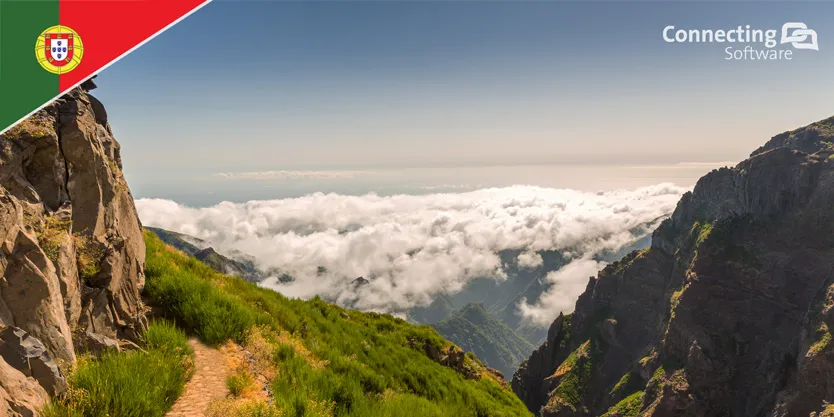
{"points": [[759, 43], [798, 35]]}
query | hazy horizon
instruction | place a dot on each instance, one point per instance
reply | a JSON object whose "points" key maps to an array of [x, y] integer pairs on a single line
{"points": [[208, 189]]}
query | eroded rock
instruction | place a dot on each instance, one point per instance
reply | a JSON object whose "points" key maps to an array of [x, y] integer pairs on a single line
{"points": [[71, 247]]}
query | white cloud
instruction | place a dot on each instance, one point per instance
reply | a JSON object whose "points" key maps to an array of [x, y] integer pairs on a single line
{"points": [[414, 247], [293, 175], [530, 260], [566, 284]]}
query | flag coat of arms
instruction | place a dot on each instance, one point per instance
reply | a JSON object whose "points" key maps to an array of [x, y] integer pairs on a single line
{"points": [[59, 47]]}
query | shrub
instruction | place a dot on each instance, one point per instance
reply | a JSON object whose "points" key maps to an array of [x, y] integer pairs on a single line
{"points": [[129, 384], [164, 336], [239, 382]]}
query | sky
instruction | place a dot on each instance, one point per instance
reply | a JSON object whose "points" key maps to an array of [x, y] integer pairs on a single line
{"points": [[247, 99]]}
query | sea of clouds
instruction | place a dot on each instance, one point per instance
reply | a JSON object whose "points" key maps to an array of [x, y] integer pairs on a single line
{"points": [[412, 248]]}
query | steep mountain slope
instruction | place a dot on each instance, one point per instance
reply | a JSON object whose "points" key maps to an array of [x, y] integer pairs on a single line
{"points": [[441, 307], [477, 331], [727, 313], [188, 244], [201, 250], [318, 359], [72, 249]]}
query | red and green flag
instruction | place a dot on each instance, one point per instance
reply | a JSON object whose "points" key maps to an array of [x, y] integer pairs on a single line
{"points": [[47, 47]]}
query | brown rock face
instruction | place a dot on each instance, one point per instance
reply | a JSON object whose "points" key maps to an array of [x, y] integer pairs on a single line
{"points": [[728, 313], [71, 249]]}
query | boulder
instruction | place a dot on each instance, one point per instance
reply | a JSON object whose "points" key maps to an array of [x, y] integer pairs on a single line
{"points": [[29, 356]]}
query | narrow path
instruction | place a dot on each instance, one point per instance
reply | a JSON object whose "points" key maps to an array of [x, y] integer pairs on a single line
{"points": [[208, 382]]}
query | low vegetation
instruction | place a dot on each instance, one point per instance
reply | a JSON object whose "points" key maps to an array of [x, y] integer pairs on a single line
{"points": [[140, 383], [327, 361], [575, 374], [52, 233], [628, 407], [627, 385], [823, 339], [33, 127], [88, 254]]}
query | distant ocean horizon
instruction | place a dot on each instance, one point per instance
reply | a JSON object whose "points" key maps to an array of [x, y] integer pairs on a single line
{"points": [[209, 188]]}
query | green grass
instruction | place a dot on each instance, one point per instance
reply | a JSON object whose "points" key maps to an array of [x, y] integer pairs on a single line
{"points": [[823, 339], [704, 231], [129, 384], [627, 385], [238, 382], [628, 407], [575, 375], [329, 361]]}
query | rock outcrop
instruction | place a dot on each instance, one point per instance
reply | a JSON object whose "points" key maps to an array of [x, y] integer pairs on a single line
{"points": [[71, 249], [728, 313]]}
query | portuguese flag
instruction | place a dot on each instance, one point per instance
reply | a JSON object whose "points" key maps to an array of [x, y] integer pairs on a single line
{"points": [[47, 47]]}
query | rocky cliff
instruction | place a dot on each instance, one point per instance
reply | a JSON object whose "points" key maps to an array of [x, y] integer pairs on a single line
{"points": [[71, 249], [728, 313]]}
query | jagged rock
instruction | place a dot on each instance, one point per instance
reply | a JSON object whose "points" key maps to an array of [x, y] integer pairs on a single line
{"points": [[499, 376], [29, 356], [608, 332], [20, 396], [89, 84], [810, 139], [729, 312], [450, 356], [96, 342], [71, 245], [226, 265], [30, 295]]}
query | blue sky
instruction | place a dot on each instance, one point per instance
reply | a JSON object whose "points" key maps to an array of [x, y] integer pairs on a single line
{"points": [[282, 85]]}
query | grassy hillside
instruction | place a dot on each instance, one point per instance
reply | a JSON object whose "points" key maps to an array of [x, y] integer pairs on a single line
{"points": [[475, 330], [319, 359], [139, 383], [200, 249], [180, 241]]}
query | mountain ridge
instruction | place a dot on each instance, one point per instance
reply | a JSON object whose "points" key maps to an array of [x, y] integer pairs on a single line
{"points": [[474, 329], [728, 311]]}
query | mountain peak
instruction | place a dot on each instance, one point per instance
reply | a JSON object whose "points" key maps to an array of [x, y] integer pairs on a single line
{"points": [[811, 139]]}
